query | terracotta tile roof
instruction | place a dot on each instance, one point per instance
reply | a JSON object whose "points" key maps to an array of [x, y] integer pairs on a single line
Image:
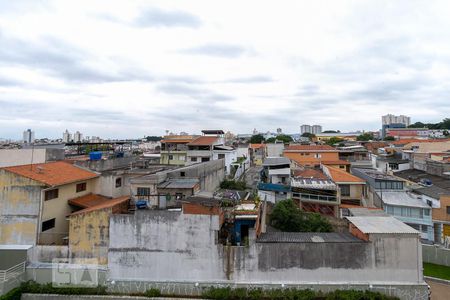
{"points": [[257, 146], [88, 200], [204, 141], [108, 203], [310, 148], [335, 162], [338, 176], [53, 173], [179, 141], [310, 173]]}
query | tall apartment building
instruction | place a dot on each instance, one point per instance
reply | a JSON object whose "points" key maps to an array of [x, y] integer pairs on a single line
{"points": [[392, 119], [67, 136], [316, 129], [77, 137], [28, 136], [305, 129]]}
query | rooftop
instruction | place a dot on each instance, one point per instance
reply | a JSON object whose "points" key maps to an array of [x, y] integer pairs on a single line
{"points": [[53, 173], [88, 200], [179, 183], [204, 141], [341, 176], [310, 148], [276, 161], [379, 224], [307, 237], [108, 203], [401, 198], [323, 184], [373, 173], [310, 173], [257, 146]]}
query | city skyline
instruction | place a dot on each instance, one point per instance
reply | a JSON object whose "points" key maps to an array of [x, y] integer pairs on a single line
{"points": [[200, 65]]}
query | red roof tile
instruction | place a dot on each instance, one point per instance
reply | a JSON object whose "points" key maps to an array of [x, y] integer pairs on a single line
{"points": [[310, 148], [204, 141], [310, 173], [53, 173], [335, 162], [104, 204], [88, 200], [338, 175], [257, 146]]}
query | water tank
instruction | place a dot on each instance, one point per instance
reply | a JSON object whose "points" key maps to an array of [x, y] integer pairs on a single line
{"points": [[96, 155]]}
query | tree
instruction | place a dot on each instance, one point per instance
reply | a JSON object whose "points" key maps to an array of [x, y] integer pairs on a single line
{"points": [[365, 137], [334, 140], [287, 216], [308, 135], [445, 132], [270, 140], [331, 131], [284, 138], [389, 138], [257, 139]]}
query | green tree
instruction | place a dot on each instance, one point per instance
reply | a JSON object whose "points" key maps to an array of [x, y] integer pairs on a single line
{"points": [[334, 140], [287, 216], [257, 139], [365, 137], [308, 135], [389, 138], [270, 140], [331, 131], [284, 138]]}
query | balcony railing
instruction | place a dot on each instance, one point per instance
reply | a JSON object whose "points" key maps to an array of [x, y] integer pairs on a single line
{"points": [[312, 197], [12, 272], [273, 187]]}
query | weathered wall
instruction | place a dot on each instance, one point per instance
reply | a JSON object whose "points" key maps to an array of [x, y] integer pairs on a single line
{"points": [[89, 235], [46, 253], [161, 245], [436, 255], [19, 209], [17, 157]]}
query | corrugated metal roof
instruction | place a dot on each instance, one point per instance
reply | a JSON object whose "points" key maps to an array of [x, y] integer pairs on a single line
{"points": [[275, 161], [179, 184], [308, 237], [381, 225], [401, 198]]}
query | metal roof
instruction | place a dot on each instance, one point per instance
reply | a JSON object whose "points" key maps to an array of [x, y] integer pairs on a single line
{"points": [[381, 225], [375, 174], [276, 161], [316, 183], [433, 191], [307, 237], [188, 183], [364, 211], [401, 198]]}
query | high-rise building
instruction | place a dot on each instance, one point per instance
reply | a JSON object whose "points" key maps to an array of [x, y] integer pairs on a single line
{"points": [[316, 129], [279, 131], [77, 137], [392, 119], [67, 137], [28, 136], [305, 129]]}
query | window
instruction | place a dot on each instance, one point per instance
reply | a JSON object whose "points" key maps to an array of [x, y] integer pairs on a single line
{"points": [[143, 191], [170, 157], [317, 155], [448, 210], [182, 158], [51, 194], [424, 228], [179, 196], [182, 174], [221, 156], [118, 182], [345, 190], [205, 159], [390, 210], [49, 224], [81, 187], [194, 159]]}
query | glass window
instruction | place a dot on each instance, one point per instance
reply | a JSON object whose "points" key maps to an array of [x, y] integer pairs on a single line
{"points": [[390, 210], [49, 224], [118, 182], [143, 191], [424, 228], [448, 210], [170, 157], [345, 190], [81, 187], [221, 156], [51, 194], [193, 158]]}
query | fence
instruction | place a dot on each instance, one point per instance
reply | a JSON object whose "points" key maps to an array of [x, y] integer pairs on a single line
{"points": [[244, 166], [12, 272], [436, 255]]}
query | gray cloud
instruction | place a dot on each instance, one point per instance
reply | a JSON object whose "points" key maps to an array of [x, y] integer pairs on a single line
{"points": [[191, 91], [217, 50], [154, 17]]}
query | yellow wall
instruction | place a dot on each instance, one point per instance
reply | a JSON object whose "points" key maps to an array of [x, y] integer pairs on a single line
{"points": [[19, 209], [59, 209], [179, 158], [89, 235]]}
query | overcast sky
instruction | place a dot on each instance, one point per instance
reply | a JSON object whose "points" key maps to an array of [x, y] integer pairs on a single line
{"points": [[129, 68]]}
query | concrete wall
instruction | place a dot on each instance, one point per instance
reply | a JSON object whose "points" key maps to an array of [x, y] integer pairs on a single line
{"points": [[17, 157], [275, 150], [162, 245], [46, 253], [19, 209], [436, 255]]}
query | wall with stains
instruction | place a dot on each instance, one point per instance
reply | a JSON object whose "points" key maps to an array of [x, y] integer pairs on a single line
{"points": [[163, 245], [19, 209], [89, 235]]}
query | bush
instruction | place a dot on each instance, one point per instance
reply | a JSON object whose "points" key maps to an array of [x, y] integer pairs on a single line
{"points": [[287, 216], [233, 185], [152, 293]]}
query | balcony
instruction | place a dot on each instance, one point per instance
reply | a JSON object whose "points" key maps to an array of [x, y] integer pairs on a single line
{"points": [[314, 197], [273, 187]]}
